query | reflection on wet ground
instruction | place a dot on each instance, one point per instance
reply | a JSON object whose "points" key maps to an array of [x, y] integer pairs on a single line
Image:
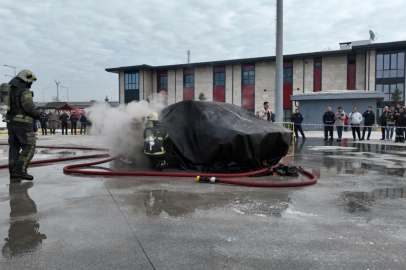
{"points": [[329, 158], [160, 203], [23, 234], [362, 201]]}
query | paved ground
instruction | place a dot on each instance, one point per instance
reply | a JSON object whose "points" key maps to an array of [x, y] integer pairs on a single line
{"points": [[353, 218]]}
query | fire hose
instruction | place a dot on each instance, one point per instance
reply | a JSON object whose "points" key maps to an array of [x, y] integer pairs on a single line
{"points": [[201, 177]]}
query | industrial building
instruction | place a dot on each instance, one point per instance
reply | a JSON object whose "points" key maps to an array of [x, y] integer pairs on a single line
{"points": [[358, 65]]}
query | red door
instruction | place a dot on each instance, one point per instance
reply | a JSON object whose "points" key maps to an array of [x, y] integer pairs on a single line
{"points": [[248, 94], [219, 94], [188, 93], [287, 92]]}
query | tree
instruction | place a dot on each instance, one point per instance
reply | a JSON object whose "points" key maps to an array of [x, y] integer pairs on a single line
{"points": [[396, 96], [202, 96]]}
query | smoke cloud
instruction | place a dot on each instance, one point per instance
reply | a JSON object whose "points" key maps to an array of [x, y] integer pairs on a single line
{"points": [[122, 127]]}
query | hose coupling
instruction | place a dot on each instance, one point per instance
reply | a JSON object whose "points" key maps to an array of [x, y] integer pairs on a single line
{"points": [[203, 179]]}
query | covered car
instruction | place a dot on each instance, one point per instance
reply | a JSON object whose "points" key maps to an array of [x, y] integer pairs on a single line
{"points": [[222, 137]]}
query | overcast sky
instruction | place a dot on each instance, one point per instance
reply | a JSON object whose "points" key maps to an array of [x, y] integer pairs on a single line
{"points": [[74, 41]]}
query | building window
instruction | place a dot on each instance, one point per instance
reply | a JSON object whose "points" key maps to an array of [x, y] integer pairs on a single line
{"points": [[219, 79], [287, 75], [390, 65], [131, 81], [131, 87], [189, 81], [162, 82], [248, 77], [389, 90]]}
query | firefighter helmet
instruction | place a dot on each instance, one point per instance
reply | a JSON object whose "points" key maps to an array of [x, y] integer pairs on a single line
{"points": [[27, 76], [153, 117]]}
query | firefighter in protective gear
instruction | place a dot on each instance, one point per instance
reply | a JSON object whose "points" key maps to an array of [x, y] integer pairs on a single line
{"points": [[20, 119], [154, 138]]}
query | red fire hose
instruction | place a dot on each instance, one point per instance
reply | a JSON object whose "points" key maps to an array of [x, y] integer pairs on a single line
{"points": [[69, 169]]}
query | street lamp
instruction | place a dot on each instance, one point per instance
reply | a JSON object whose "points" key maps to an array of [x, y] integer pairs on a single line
{"points": [[15, 74], [57, 90], [9, 76], [43, 93], [67, 91]]}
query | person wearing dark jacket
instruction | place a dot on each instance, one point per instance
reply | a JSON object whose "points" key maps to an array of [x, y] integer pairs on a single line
{"points": [[297, 119], [328, 121], [44, 121], [400, 125], [74, 122], [20, 119], [83, 123], [64, 121], [369, 121], [383, 121]]}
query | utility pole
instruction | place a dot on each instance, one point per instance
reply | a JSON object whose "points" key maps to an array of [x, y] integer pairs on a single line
{"points": [[43, 100], [57, 90], [15, 74], [188, 56], [67, 91], [279, 62]]}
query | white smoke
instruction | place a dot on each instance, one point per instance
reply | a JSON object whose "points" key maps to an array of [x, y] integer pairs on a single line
{"points": [[122, 127]]}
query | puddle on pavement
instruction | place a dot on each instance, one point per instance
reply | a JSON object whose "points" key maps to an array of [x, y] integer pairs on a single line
{"points": [[164, 203], [362, 201], [332, 158]]}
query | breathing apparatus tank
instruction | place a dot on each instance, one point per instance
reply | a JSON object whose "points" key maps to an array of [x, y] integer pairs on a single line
{"points": [[5, 90]]}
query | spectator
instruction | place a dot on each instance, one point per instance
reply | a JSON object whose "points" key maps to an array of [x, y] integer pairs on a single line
{"points": [[64, 120], [272, 116], [355, 119], [74, 122], [265, 113], [83, 123], [52, 123], [383, 122], [297, 119], [340, 117], [368, 122], [390, 122], [328, 121], [346, 123], [400, 125], [43, 120], [398, 106]]}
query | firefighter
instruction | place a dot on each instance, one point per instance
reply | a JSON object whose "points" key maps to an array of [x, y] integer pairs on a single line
{"points": [[154, 139], [20, 119]]}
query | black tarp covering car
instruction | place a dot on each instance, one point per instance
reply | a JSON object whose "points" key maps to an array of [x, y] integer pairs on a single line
{"points": [[221, 137]]}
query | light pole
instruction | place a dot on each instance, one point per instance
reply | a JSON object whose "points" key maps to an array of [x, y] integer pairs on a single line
{"points": [[15, 74], [43, 93], [57, 90], [9, 76], [279, 62], [67, 91]]}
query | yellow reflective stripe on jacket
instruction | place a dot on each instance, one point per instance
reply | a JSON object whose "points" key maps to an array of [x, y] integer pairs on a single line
{"points": [[28, 96], [22, 120], [22, 117], [154, 154]]}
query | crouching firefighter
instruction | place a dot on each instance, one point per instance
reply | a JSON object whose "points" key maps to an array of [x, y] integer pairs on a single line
{"points": [[20, 117], [154, 138]]}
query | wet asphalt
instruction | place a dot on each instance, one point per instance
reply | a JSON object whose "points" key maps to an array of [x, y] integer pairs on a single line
{"points": [[353, 218]]}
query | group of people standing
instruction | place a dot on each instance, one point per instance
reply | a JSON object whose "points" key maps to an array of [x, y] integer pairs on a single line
{"points": [[393, 118], [52, 119]]}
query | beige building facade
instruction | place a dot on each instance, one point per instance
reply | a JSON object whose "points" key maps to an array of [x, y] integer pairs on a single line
{"points": [[251, 82]]}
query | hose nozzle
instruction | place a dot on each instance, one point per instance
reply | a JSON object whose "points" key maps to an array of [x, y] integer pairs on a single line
{"points": [[203, 179]]}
